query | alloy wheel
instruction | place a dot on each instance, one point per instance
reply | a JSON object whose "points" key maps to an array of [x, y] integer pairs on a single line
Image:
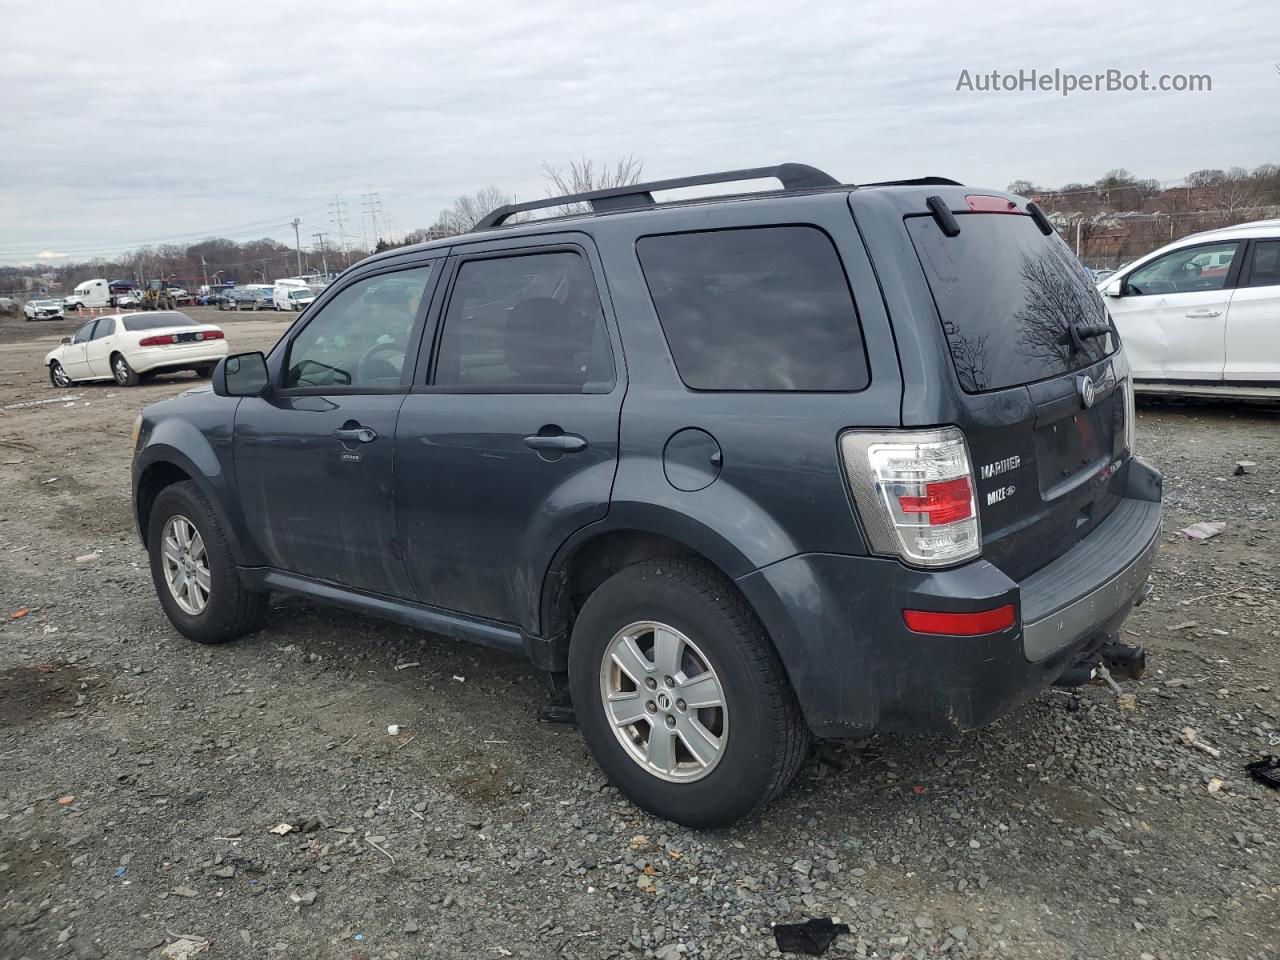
{"points": [[664, 701], [186, 565]]}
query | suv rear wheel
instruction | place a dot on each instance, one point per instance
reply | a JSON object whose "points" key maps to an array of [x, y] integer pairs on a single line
{"points": [[681, 697], [193, 570]]}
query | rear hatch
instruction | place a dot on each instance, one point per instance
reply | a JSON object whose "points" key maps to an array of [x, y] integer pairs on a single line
{"points": [[1040, 396]]}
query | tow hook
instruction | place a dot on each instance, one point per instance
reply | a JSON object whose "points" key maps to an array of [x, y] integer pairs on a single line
{"points": [[1124, 662], [1112, 661]]}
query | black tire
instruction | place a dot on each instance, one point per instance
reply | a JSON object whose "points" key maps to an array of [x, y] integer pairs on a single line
{"points": [[55, 370], [124, 374], [766, 739], [205, 372], [232, 611]]}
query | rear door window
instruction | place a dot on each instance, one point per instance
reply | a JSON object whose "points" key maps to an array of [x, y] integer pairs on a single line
{"points": [[1008, 296], [765, 308], [1264, 270], [526, 323]]}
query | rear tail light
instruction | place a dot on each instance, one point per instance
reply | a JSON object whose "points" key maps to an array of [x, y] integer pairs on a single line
{"points": [[157, 341], [1130, 413], [915, 493]]}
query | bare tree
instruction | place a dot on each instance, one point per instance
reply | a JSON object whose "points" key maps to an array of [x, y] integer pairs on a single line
{"points": [[585, 175], [467, 211]]}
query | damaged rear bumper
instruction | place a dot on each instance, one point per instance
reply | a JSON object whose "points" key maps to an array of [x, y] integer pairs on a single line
{"points": [[837, 624]]}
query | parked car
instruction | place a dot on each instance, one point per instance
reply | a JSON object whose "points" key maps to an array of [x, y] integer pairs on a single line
{"points": [[8, 305], [1201, 316], [43, 309], [180, 296], [1100, 275], [129, 298], [848, 480], [124, 347], [235, 300]]}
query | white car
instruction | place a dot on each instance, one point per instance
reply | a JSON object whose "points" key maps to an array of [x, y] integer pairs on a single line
{"points": [[1201, 316], [124, 346], [43, 309]]}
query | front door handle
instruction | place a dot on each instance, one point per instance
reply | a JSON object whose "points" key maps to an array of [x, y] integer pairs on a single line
{"points": [[561, 442], [356, 434], [1204, 314]]}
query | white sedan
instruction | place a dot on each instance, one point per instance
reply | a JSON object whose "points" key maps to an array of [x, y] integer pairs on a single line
{"points": [[124, 346]]}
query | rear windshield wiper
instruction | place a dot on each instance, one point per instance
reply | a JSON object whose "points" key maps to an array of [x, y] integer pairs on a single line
{"points": [[1077, 333]]}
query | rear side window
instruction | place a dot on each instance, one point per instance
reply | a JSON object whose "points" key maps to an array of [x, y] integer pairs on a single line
{"points": [[766, 308], [1264, 271], [528, 323], [1007, 296]]}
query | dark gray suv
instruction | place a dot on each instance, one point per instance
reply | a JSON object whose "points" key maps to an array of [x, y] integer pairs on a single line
{"points": [[824, 461]]}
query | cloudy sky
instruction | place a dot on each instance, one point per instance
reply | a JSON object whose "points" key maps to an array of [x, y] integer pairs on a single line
{"points": [[144, 122]]}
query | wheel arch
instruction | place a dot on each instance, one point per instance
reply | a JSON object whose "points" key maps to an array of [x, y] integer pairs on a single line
{"points": [[598, 552], [160, 465]]}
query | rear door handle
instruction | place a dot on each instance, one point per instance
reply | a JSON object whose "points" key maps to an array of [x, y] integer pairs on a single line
{"points": [[356, 434], [564, 442], [1204, 314]]}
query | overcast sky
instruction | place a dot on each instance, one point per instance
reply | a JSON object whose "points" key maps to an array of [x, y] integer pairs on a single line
{"points": [[131, 123]]}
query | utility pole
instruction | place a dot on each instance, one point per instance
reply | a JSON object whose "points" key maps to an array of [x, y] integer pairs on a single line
{"points": [[338, 216], [324, 252], [205, 270], [297, 241]]}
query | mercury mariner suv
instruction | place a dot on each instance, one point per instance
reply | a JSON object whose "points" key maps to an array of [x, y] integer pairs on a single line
{"points": [[828, 460]]}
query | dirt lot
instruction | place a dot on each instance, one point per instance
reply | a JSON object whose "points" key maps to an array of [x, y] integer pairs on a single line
{"points": [[141, 775]]}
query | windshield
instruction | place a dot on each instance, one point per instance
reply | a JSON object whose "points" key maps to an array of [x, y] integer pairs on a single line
{"points": [[1008, 296], [299, 294]]}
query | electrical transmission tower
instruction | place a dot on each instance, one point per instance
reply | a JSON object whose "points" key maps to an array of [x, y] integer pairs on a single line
{"points": [[371, 203], [323, 249], [338, 216]]}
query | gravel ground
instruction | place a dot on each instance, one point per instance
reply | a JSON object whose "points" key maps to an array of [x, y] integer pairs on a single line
{"points": [[141, 775]]}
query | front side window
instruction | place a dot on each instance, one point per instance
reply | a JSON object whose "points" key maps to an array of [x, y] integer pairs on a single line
{"points": [[106, 328], [1184, 271], [85, 333], [766, 308], [526, 322], [361, 337], [1264, 270]]}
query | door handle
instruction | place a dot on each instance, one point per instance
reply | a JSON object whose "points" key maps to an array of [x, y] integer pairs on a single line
{"points": [[562, 442], [356, 434], [1204, 314]]}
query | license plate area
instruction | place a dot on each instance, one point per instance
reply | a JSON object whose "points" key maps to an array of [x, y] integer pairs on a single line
{"points": [[186, 337]]}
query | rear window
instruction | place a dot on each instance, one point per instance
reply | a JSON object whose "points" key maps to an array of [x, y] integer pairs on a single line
{"points": [[154, 321], [1007, 296], [766, 308]]}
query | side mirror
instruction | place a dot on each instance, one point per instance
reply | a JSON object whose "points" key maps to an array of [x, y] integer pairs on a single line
{"points": [[65, 340], [1112, 289], [240, 375]]}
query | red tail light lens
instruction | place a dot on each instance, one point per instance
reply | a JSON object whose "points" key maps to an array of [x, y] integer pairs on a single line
{"points": [[211, 335], [157, 341], [942, 503], [960, 624]]}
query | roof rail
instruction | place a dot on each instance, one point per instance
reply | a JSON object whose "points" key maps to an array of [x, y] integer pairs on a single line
{"points": [[792, 176]]}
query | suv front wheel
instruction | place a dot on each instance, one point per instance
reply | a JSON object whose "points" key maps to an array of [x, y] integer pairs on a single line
{"points": [[194, 572], [680, 695]]}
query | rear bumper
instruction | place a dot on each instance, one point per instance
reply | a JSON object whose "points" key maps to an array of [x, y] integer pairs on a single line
{"points": [[856, 668], [179, 356]]}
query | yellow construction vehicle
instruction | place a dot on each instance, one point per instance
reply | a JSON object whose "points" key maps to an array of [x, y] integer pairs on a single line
{"points": [[156, 296]]}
